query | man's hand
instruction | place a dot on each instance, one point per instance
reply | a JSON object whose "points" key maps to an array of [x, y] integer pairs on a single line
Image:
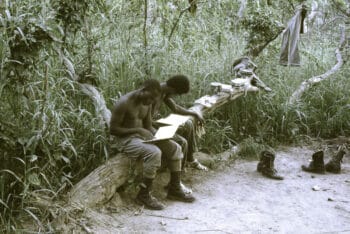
{"points": [[199, 117], [146, 134]]}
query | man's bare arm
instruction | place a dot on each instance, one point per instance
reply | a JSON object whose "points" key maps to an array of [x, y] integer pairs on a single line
{"points": [[117, 120], [177, 109], [147, 122]]}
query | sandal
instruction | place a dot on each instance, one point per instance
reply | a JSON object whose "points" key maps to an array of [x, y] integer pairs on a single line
{"points": [[197, 165]]}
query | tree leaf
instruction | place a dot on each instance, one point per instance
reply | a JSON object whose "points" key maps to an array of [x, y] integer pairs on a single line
{"points": [[65, 159], [33, 158], [34, 179]]}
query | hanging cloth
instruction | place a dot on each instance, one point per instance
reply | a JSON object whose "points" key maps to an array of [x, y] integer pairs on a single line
{"points": [[289, 49]]}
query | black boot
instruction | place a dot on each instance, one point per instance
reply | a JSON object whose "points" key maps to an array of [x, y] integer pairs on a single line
{"points": [[145, 198], [184, 188], [264, 161], [266, 165], [176, 191], [316, 165], [334, 164]]}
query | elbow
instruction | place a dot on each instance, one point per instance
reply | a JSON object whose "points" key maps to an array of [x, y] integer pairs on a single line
{"points": [[113, 131], [177, 110]]}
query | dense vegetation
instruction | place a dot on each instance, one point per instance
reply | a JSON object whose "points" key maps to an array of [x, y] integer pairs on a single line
{"points": [[50, 133]]}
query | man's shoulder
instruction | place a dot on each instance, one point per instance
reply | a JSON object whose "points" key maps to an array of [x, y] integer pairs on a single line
{"points": [[125, 99], [122, 104]]}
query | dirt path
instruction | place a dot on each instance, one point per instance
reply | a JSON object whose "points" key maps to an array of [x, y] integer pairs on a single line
{"points": [[237, 199]]}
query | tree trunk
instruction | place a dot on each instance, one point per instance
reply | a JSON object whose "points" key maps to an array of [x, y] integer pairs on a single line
{"points": [[101, 184]]}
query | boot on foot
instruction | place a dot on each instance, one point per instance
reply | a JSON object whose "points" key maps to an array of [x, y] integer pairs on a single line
{"points": [[184, 188], [176, 191], [144, 197]]}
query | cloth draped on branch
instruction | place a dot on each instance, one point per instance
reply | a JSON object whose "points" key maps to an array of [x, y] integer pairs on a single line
{"points": [[289, 49]]}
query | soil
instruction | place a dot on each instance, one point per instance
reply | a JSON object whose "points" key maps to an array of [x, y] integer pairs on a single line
{"points": [[235, 198]]}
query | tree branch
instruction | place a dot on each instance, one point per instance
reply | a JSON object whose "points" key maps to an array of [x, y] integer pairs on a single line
{"points": [[177, 22], [145, 26], [255, 51], [242, 9], [295, 97]]}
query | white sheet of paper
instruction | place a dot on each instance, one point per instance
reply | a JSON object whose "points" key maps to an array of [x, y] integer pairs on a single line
{"points": [[174, 119], [163, 133]]}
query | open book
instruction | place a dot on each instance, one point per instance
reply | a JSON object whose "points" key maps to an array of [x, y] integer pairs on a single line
{"points": [[173, 122], [163, 133], [174, 119]]}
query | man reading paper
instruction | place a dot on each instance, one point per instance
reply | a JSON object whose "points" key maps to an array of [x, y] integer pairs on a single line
{"points": [[131, 123], [186, 134]]}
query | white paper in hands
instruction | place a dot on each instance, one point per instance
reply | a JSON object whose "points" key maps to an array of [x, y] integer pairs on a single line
{"points": [[163, 133], [174, 119]]}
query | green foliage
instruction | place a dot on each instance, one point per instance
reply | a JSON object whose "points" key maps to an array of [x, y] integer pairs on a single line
{"points": [[342, 6], [249, 148], [24, 33], [222, 132], [50, 133], [262, 25], [72, 14]]}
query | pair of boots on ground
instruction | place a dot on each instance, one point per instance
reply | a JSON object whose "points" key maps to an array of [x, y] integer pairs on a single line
{"points": [[267, 158], [317, 164], [176, 192]]}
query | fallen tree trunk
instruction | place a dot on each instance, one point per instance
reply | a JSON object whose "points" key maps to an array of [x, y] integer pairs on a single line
{"points": [[295, 97], [100, 185]]}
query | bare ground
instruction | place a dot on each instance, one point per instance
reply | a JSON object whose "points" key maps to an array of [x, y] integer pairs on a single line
{"points": [[235, 198]]}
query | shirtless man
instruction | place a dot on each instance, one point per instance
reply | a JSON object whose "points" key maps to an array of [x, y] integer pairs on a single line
{"points": [[131, 123], [186, 134]]}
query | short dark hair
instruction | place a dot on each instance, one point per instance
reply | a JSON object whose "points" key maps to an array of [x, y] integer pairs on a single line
{"points": [[180, 83], [152, 84]]}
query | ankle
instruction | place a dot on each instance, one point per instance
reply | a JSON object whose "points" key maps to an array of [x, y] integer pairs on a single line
{"points": [[175, 178]]}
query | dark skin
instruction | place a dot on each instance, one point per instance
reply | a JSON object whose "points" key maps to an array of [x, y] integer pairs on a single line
{"points": [[132, 114], [166, 97]]}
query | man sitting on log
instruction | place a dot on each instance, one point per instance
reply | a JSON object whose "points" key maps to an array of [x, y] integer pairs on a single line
{"points": [[186, 134], [131, 122]]}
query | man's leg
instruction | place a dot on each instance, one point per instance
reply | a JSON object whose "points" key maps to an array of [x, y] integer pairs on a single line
{"points": [[188, 132], [183, 143], [151, 156], [184, 146], [173, 154]]}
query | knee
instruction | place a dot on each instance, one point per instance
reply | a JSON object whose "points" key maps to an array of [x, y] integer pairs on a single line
{"points": [[177, 153], [189, 124], [184, 145], [152, 161], [183, 142], [154, 156]]}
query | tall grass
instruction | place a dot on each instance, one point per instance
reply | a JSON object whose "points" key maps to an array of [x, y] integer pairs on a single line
{"points": [[50, 135]]}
